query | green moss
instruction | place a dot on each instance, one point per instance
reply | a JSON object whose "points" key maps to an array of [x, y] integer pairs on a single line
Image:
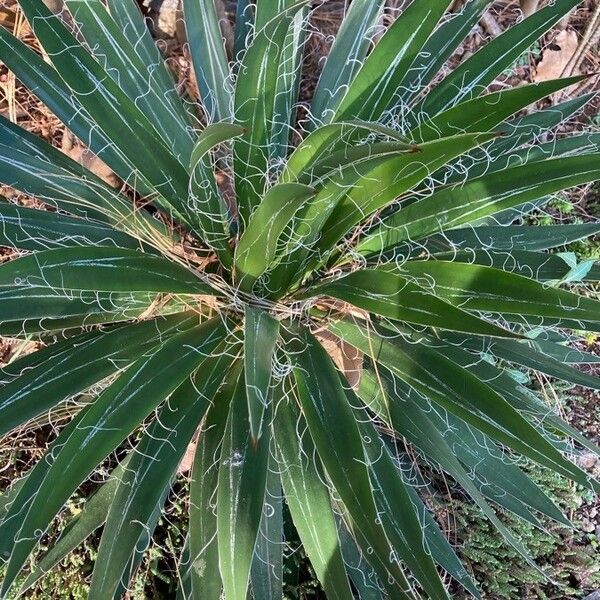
{"points": [[562, 554]]}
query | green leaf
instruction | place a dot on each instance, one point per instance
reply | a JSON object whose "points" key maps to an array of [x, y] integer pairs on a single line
{"points": [[255, 92], [347, 198], [373, 88], [92, 516], [439, 47], [360, 571], [511, 238], [518, 135], [21, 495], [345, 57], [395, 176], [203, 545], [133, 24], [399, 519], [150, 471], [485, 112], [337, 437], [102, 269], [45, 83], [489, 194], [124, 124], [509, 157], [33, 229], [266, 573], [459, 392], [477, 287], [441, 550], [59, 371], [390, 295], [209, 57], [240, 493], [257, 247], [244, 30], [288, 79], [35, 309], [559, 267], [524, 354], [137, 79], [448, 440], [566, 354], [32, 166], [329, 138], [473, 76], [519, 397], [105, 424], [260, 338], [308, 500], [205, 199]]}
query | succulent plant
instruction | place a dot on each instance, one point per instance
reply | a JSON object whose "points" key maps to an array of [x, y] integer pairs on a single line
{"points": [[327, 304]]}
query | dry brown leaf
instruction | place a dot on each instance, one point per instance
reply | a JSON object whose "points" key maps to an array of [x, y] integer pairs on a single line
{"points": [[347, 359], [557, 56], [187, 461], [528, 7]]}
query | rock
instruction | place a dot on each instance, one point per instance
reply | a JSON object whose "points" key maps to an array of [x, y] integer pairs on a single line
{"points": [[588, 461], [593, 596], [588, 527]]}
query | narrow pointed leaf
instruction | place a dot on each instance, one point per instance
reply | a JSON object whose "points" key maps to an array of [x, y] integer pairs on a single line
{"points": [[485, 112], [512, 237], [440, 46], [241, 489], [381, 76], [330, 420], [255, 92], [100, 269], [64, 369], [345, 57], [205, 198], [133, 24], [118, 411], [260, 338], [472, 77], [450, 442], [92, 516], [390, 295], [45, 83], [329, 138], [150, 471], [209, 57], [266, 573], [142, 84], [309, 502], [258, 244], [478, 287], [32, 166], [32, 229], [458, 205], [203, 568], [524, 354], [27, 309], [470, 399], [122, 121]]}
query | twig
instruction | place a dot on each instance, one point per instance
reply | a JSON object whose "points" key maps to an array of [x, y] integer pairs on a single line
{"points": [[590, 38]]}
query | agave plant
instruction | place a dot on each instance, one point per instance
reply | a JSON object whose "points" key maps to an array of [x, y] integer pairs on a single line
{"points": [[218, 296]]}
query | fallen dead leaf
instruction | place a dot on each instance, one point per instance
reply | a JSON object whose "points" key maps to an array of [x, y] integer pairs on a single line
{"points": [[528, 7], [557, 56], [347, 359]]}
